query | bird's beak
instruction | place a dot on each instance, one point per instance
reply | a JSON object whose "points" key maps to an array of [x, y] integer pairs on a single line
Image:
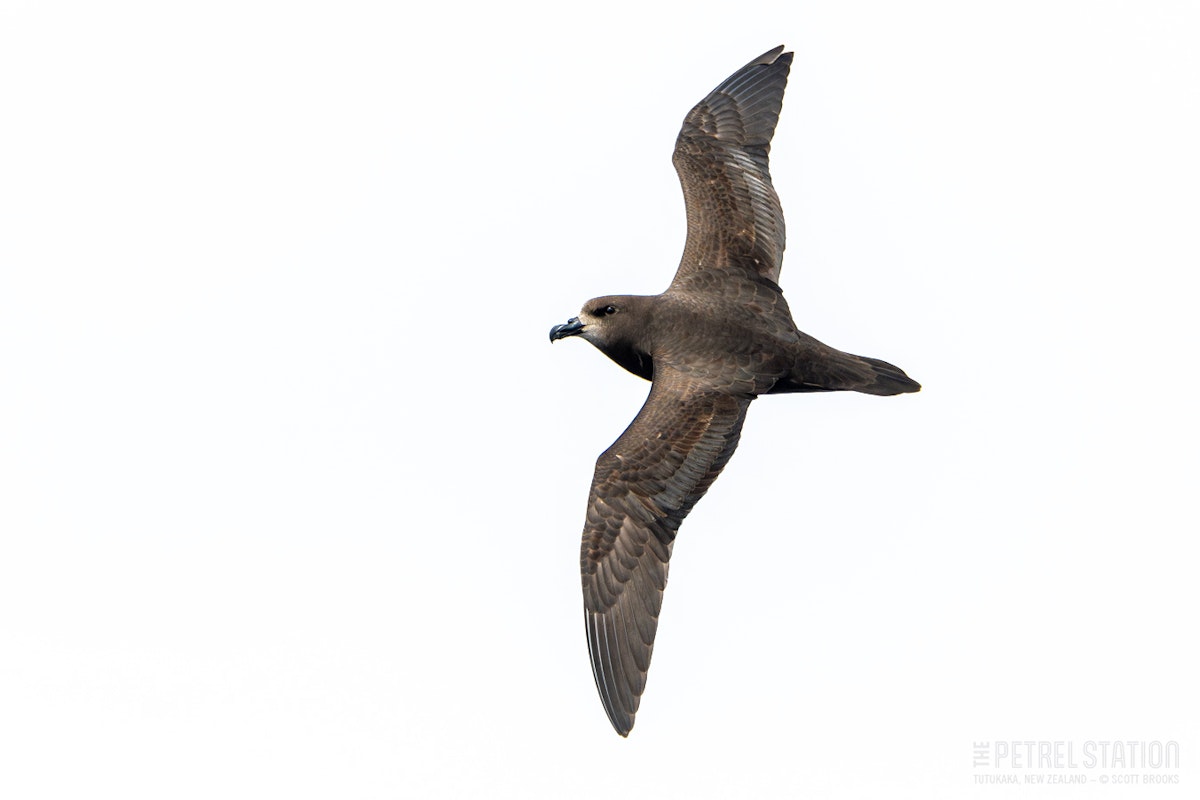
{"points": [[571, 328]]}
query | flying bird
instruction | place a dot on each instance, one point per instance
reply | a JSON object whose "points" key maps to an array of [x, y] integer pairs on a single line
{"points": [[716, 339]]}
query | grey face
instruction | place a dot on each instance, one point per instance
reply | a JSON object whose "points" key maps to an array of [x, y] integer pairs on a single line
{"points": [[593, 313]]}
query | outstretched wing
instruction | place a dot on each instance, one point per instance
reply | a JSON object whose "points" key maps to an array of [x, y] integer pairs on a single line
{"points": [[644, 485], [734, 220]]}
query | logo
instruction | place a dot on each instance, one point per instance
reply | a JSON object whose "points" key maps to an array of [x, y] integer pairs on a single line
{"points": [[1102, 761]]}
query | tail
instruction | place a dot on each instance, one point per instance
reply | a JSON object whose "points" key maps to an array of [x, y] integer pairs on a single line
{"points": [[889, 379], [829, 370]]}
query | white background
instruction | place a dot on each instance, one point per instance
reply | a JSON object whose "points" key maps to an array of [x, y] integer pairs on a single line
{"points": [[291, 481]]}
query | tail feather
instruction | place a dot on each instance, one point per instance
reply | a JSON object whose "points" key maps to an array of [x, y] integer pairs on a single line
{"points": [[889, 379], [829, 370]]}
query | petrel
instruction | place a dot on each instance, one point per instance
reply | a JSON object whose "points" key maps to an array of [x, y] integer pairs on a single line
{"points": [[717, 338]]}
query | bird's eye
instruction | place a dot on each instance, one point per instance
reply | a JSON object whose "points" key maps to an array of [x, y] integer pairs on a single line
{"points": [[607, 310]]}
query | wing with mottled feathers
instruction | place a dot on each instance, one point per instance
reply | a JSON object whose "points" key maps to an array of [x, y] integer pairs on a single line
{"points": [[644, 485], [734, 219]]}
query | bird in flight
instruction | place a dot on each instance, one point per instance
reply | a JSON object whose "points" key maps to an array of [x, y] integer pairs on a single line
{"points": [[717, 338]]}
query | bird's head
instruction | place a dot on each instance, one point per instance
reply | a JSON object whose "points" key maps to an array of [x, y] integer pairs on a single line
{"points": [[619, 326], [603, 321]]}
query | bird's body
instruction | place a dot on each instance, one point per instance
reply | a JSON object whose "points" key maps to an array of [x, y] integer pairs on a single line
{"points": [[720, 336]]}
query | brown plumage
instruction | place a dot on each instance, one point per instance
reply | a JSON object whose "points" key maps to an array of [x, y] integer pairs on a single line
{"points": [[720, 336]]}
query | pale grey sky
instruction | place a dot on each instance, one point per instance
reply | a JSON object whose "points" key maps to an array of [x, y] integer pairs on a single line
{"points": [[293, 482]]}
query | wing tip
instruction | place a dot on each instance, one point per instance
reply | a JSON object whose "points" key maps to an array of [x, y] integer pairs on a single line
{"points": [[775, 57], [769, 56], [772, 56], [604, 673]]}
